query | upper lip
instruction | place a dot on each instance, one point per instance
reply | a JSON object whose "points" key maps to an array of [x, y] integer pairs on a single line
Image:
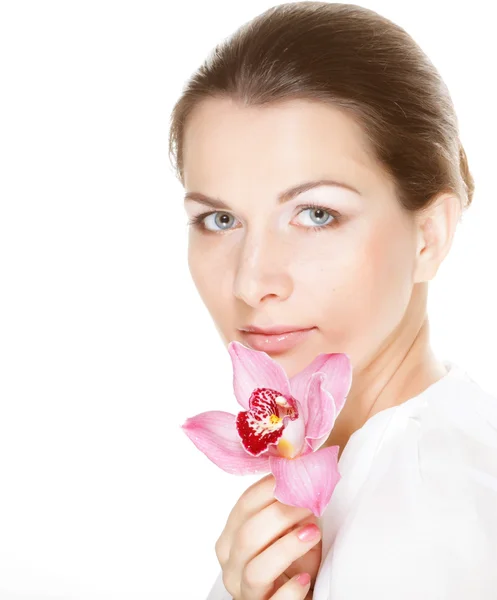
{"points": [[275, 330]]}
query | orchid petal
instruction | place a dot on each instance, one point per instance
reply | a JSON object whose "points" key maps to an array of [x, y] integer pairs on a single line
{"points": [[307, 481], [214, 433], [322, 413], [255, 369], [338, 371]]}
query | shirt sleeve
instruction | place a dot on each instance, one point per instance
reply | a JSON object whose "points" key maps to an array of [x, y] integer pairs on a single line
{"points": [[425, 527]]}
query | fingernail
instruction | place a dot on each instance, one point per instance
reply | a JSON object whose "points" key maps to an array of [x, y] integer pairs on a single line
{"points": [[303, 578], [308, 533]]}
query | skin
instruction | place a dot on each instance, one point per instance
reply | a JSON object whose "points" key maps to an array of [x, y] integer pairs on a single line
{"points": [[259, 550], [363, 282]]}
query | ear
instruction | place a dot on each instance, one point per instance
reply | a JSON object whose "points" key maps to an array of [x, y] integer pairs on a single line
{"points": [[436, 226]]}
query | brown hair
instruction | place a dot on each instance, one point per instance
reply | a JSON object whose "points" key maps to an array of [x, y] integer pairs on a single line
{"points": [[357, 61]]}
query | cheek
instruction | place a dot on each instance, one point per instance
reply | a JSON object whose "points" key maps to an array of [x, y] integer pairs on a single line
{"points": [[200, 268], [363, 293], [208, 267], [381, 286], [391, 264]]}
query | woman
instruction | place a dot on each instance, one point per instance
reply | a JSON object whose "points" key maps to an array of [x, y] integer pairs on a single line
{"points": [[325, 178]]}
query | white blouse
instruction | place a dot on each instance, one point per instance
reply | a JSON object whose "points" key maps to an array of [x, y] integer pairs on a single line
{"points": [[414, 515]]}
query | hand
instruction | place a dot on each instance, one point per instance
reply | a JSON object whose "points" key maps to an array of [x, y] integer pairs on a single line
{"points": [[259, 551]]}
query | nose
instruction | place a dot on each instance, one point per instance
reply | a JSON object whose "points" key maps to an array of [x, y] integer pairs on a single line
{"points": [[262, 269]]}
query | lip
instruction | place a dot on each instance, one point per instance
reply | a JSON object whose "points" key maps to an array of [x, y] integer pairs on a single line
{"points": [[276, 343], [273, 330]]}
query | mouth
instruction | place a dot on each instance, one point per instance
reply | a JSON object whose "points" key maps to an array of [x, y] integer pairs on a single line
{"points": [[275, 343]]}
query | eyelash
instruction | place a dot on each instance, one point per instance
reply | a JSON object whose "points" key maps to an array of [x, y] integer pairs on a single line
{"points": [[198, 219]]}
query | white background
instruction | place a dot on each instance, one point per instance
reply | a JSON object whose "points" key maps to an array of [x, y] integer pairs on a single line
{"points": [[105, 346]]}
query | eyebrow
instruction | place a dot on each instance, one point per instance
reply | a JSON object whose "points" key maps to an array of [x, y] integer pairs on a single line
{"points": [[284, 196]]}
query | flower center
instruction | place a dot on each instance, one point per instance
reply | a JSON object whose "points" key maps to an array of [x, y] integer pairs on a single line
{"points": [[262, 425]]}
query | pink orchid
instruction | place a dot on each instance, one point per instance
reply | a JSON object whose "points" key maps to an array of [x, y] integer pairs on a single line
{"points": [[282, 426]]}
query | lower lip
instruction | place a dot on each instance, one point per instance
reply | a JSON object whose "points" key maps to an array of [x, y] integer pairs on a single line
{"points": [[277, 342]]}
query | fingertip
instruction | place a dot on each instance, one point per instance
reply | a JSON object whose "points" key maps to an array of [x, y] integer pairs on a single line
{"points": [[303, 579]]}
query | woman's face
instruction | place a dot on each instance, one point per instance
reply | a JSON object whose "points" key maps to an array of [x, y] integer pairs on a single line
{"points": [[345, 268]]}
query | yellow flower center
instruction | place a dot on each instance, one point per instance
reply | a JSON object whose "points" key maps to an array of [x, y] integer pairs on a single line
{"points": [[285, 448]]}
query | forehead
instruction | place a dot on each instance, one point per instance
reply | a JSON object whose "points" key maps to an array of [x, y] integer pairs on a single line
{"points": [[224, 139]]}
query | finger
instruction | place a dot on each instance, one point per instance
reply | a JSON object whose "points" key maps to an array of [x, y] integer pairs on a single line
{"points": [[261, 572], [309, 518], [309, 563], [254, 499], [295, 588], [262, 530]]}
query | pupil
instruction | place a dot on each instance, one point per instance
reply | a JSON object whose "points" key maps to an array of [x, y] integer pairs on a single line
{"points": [[320, 214], [224, 219]]}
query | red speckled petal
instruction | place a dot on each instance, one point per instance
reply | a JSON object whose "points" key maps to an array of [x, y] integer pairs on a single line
{"points": [[254, 438], [264, 423]]}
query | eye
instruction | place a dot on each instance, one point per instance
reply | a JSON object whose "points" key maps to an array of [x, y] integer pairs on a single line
{"points": [[318, 215], [220, 220]]}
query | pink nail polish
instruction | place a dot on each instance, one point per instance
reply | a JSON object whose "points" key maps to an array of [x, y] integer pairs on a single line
{"points": [[303, 578], [308, 533]]}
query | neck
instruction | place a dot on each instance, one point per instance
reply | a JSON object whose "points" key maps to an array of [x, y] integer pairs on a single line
{"points": [[403, 368]]}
